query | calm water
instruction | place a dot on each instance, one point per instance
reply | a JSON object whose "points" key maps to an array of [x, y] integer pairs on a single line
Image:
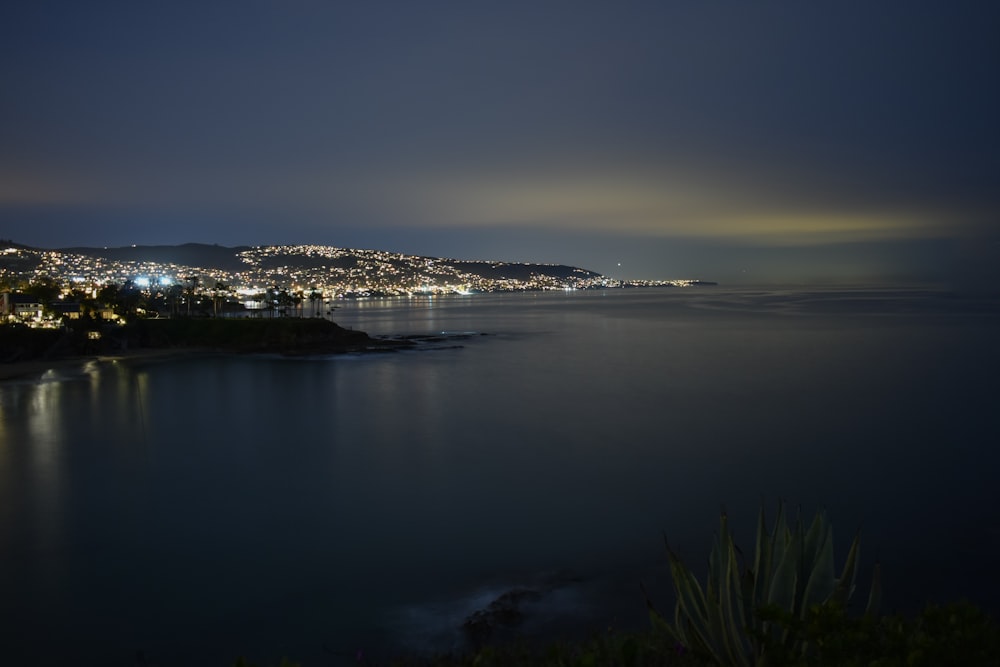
{"points": [[201, 509]]}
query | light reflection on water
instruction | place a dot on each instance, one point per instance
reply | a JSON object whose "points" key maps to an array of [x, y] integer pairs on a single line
{"points": [[213, 507]]}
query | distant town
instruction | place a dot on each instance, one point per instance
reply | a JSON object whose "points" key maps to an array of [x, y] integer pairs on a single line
{"points": [[44, 288]]}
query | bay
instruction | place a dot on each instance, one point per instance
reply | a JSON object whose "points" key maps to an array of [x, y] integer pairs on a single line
{"points": [[192, 511]]}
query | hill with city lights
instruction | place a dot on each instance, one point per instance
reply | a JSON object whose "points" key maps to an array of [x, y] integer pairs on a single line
{"points": [[332, 271]]}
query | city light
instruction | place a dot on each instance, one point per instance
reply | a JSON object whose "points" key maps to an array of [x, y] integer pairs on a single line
{"points": [[299, 279]]}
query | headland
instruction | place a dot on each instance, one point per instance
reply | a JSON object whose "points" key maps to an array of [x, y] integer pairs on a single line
{"points": [[32, 352]]}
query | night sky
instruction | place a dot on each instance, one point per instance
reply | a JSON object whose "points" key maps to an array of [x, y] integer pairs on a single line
{"points": [[741, 142]]}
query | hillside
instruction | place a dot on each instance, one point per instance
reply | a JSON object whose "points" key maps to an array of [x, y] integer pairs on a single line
{"points": [[186, 254], [329, 269]]}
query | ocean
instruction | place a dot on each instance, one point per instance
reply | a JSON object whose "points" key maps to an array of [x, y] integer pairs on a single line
{"points": [[190, 511]]}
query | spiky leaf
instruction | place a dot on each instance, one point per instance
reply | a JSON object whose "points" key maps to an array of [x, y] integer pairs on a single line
{"points": [[822, 578]]}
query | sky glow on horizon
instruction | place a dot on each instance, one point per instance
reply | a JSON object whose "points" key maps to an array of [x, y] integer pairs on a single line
{"points": [[773, 142]]}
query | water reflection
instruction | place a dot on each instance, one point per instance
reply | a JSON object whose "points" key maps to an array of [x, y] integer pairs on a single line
{"points": [[32, 480], [218, 506]]}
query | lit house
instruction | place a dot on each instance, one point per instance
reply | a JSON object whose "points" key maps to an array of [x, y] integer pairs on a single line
{"points": [[20, 307], [67, 309]]}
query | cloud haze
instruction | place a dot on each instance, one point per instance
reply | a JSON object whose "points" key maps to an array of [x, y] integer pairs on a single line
{"points": [[544, 129]]}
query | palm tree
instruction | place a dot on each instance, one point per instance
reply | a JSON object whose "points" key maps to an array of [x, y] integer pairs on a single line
{"points": [[173, 294], [220, 287], [271, 299], [315, 300], [192, 284], [258, 299], [285, 301]]}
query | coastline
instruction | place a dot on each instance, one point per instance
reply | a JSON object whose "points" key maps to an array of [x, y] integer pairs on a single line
{"points": [[35, 369], [150, 341]]}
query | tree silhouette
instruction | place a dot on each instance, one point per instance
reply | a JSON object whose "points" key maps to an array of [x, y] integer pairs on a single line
{"points": [[173, 294], [218, 292], [315, 300], [285, 301], [192, 283], [44, 289], [271, 300]]}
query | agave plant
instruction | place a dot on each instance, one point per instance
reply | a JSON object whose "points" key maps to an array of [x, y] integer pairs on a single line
{"points": [[792, 573]]}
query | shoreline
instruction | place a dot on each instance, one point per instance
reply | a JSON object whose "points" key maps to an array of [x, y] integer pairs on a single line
{"points": [[36, 369], [155, 340]]}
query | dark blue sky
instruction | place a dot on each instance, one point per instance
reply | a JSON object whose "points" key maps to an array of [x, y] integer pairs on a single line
{"points": [[754, 142]]}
